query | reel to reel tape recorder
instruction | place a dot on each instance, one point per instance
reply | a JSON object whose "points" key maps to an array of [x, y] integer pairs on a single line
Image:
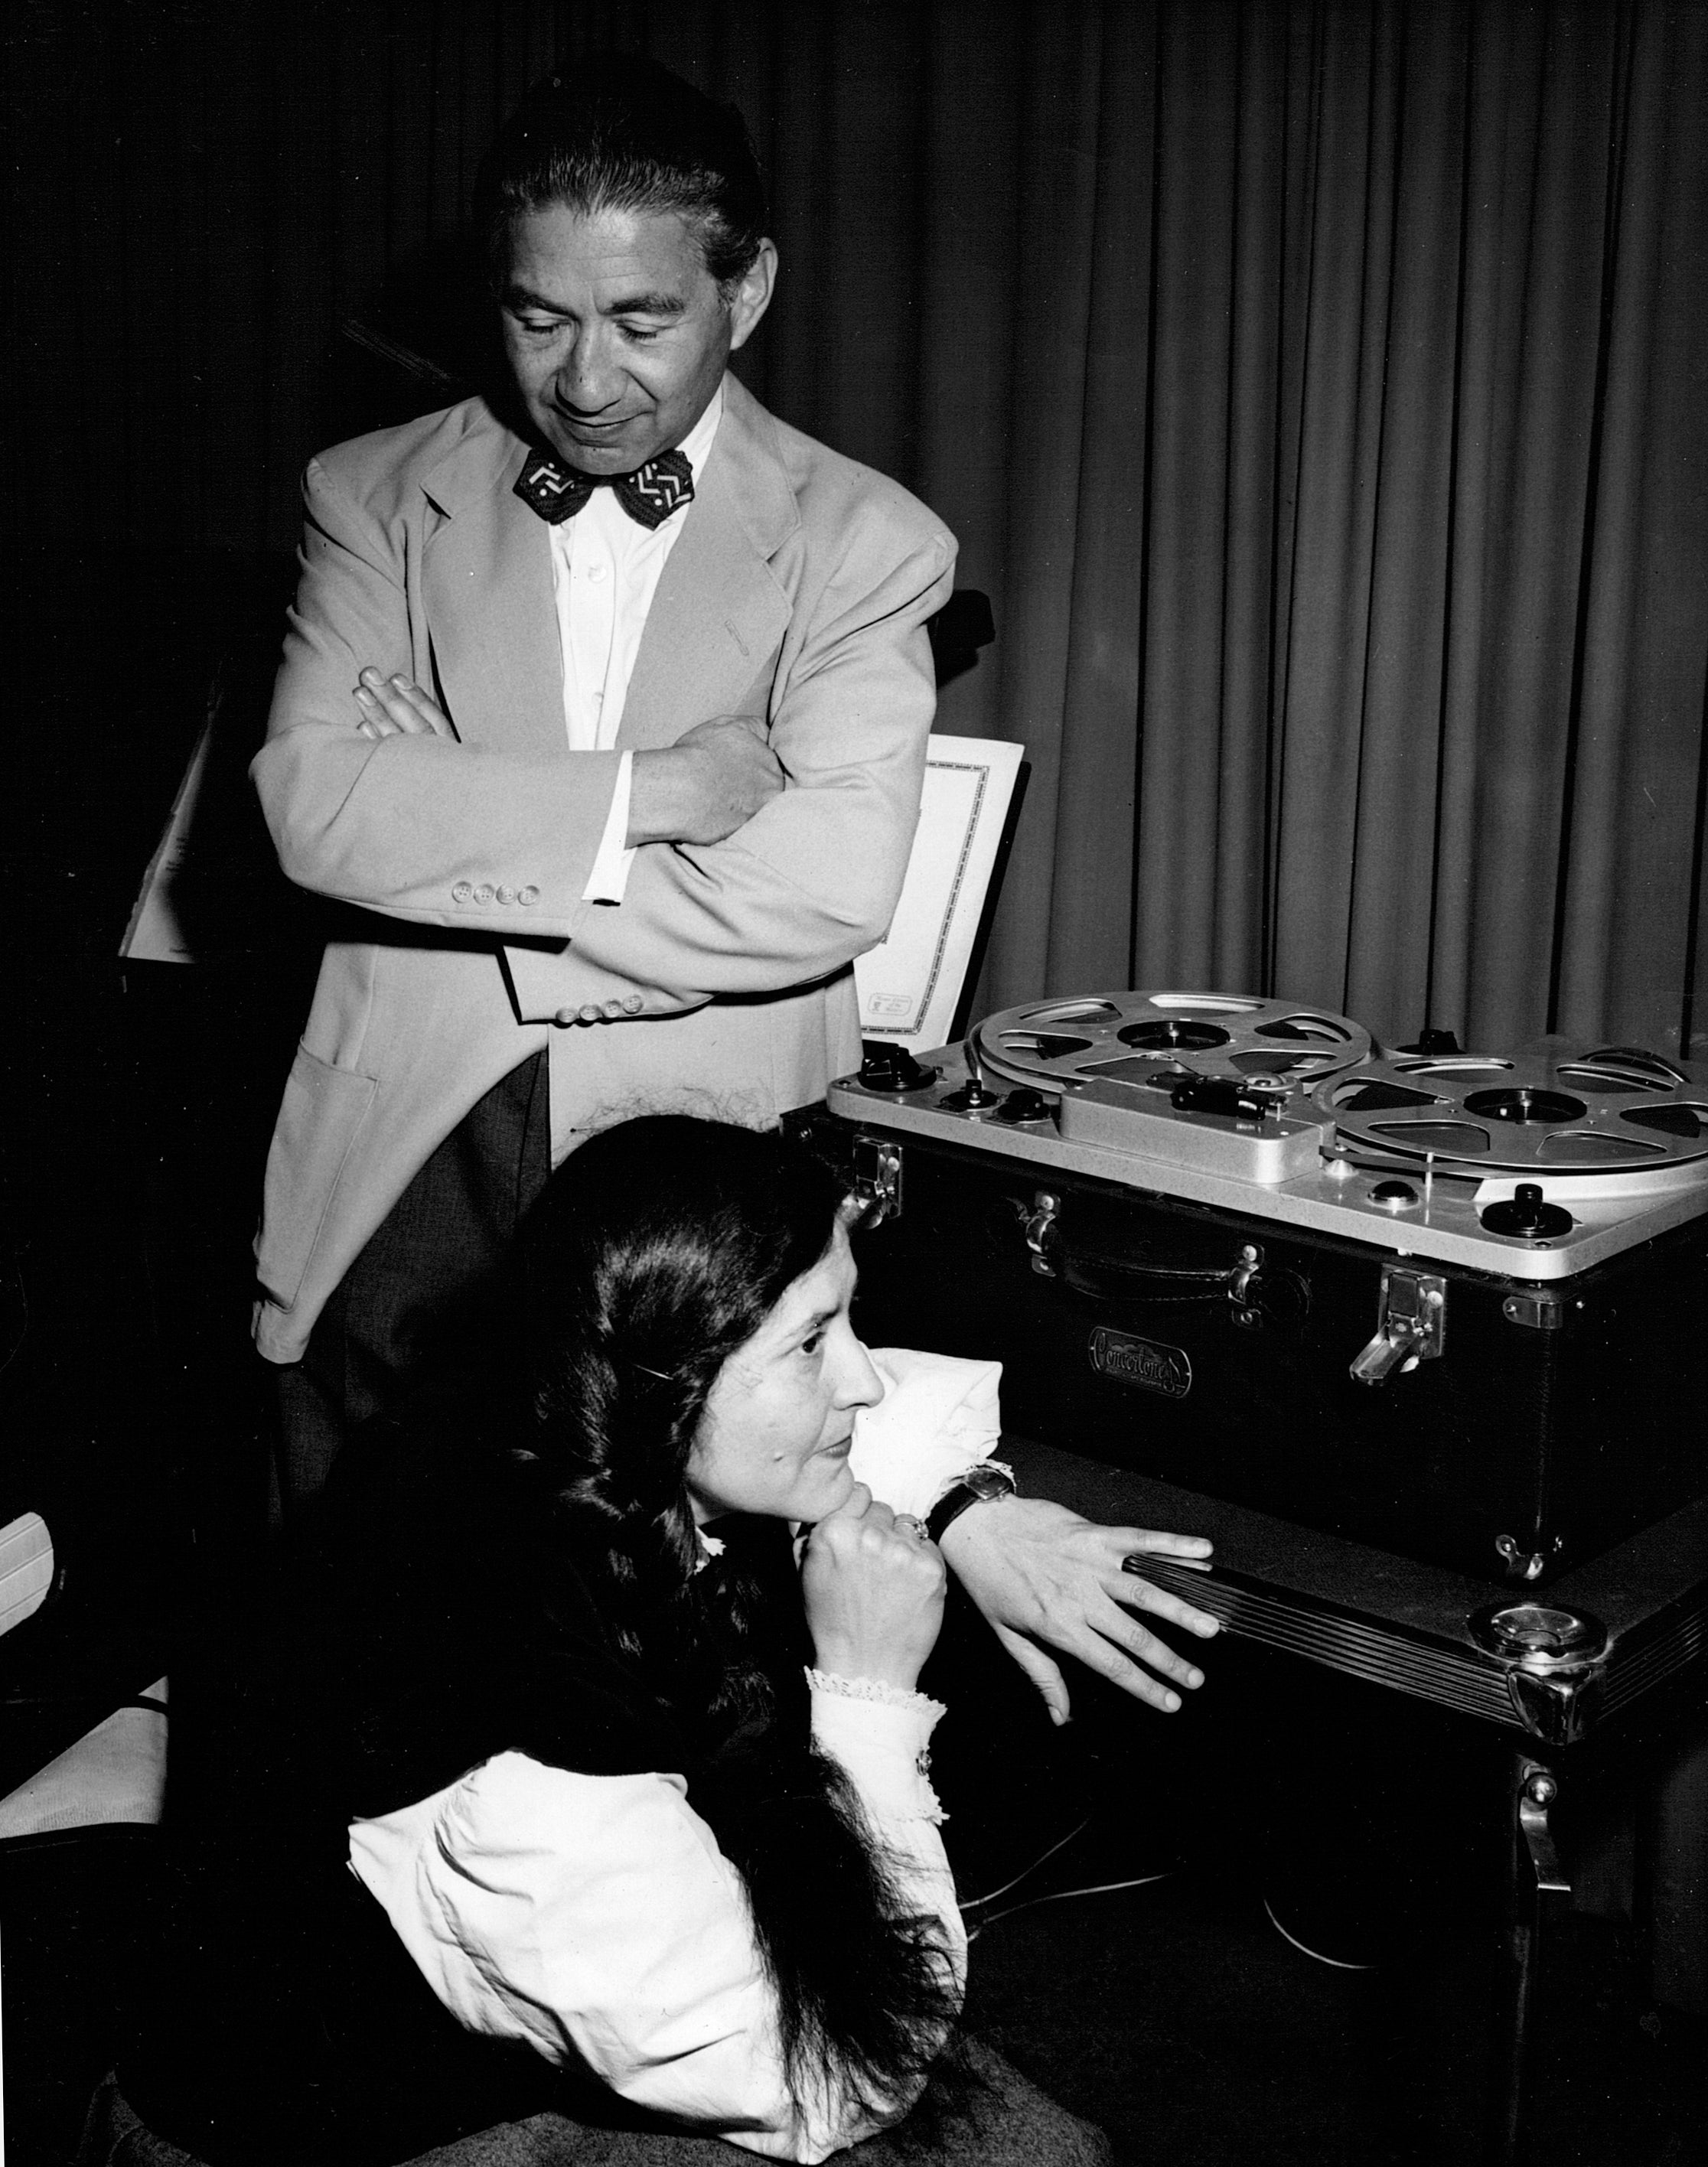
{"points": [[1424, 1152], [1448, 1303]]}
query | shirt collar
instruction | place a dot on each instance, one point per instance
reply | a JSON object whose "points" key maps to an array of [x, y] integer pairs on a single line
{"points": [[695, 447]]}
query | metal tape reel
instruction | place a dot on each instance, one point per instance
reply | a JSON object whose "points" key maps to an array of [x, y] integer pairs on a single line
{"points": [[1155, 1040], [1611, 1110]]}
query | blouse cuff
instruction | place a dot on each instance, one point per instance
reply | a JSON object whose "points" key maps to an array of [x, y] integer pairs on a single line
{"points": [[939, 1416], [882, 1736]]}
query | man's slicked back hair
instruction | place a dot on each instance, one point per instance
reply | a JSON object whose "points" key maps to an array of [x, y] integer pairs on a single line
{"points": [[618, 132]]}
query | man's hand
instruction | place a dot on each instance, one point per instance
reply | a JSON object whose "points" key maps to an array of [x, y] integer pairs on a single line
{"points": [[1040, 1572], [710, 782], [394, 708]]}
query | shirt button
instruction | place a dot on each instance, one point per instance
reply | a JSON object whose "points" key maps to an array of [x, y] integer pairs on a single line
{"points": [[591, 1013], [507, 895], [632, 1004], [564, 1016], [597, 573], [527, 895], [461, 892]]}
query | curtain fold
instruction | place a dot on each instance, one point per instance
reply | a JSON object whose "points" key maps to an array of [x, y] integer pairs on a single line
{"points": [[1633, 830], [1419, 660], [1090, 927], [1317, 387]]}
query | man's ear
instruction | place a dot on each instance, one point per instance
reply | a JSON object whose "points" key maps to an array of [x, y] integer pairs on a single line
{"points": [[752, 296]]}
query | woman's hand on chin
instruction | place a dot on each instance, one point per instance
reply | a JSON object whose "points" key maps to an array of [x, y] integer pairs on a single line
{"points": [[873, 1591]]}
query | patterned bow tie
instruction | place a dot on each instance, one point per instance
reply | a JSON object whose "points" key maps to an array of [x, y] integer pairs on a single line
{"points": [[649, 495]]}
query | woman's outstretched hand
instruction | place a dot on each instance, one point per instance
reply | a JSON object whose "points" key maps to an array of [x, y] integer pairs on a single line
{"points": [[873, 1590], [1048, 1580]]}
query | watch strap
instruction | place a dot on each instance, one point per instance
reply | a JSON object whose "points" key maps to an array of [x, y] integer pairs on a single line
{"points": [[990, 1479]]}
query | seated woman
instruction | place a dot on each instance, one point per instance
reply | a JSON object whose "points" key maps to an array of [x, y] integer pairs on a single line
{"points": [[562, 1793]]}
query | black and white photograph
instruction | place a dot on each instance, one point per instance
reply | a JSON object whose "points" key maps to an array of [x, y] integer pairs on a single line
{"points": [[854, 1213]]}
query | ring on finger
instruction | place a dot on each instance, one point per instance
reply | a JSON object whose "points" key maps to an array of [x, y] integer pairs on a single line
{"points": [[910, 1524]]}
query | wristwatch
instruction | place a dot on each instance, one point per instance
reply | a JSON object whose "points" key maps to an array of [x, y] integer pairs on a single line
{"points": [[991, 1478]]}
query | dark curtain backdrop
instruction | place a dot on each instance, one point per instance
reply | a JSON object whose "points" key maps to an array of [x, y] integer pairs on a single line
{"points": [[1317, 389]]}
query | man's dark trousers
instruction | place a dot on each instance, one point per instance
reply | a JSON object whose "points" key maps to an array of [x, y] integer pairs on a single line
{"points": [[422, 1277]]}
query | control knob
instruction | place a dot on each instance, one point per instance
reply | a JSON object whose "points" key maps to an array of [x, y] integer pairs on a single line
{"points": [[892, 1068], [1526, 1215]]}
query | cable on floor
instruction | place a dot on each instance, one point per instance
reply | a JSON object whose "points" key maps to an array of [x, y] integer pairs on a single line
{"points": [[1335, 1963], [990, 1895], [1059, 1895]]}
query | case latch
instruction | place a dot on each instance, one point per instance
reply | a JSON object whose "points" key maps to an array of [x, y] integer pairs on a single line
{"points": [[1241, 1291], [876, 1194], [1040, 1224], [1411, 1324]]}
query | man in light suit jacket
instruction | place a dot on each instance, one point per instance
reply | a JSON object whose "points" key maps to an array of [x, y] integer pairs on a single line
{"points": [[609, 727]]}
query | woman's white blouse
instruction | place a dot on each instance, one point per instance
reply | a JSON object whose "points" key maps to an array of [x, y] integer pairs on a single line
{"points": [[594, 1916]]}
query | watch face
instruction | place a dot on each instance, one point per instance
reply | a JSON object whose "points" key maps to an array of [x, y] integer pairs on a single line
{"points": [[986, 1482]]}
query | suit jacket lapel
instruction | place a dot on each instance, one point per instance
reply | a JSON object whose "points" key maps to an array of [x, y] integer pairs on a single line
{"points": [[487, 585], [718, 613]]}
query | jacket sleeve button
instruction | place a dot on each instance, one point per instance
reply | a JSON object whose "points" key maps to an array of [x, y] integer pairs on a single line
{"points": [[591, 1013], [564, 1016], [507, 895], [483, 894], [527, 895], [633, 1004], [461, 892]]}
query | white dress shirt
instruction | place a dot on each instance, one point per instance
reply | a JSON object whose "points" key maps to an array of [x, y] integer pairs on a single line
{"points": [[606, 568], [594, 1916]]}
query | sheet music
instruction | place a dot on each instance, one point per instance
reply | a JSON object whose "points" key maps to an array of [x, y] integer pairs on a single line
{"points": [[155, 933], [910, 985]]}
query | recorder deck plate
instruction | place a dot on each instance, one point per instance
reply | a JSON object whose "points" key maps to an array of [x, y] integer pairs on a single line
{"points": [[1406, 1152]]}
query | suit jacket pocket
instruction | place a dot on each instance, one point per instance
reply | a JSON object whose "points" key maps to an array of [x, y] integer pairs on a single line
{"points": [[319, 1121]]}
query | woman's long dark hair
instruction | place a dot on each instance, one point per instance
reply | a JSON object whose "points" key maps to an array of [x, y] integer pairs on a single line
{"points": [[657, 1251]]}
